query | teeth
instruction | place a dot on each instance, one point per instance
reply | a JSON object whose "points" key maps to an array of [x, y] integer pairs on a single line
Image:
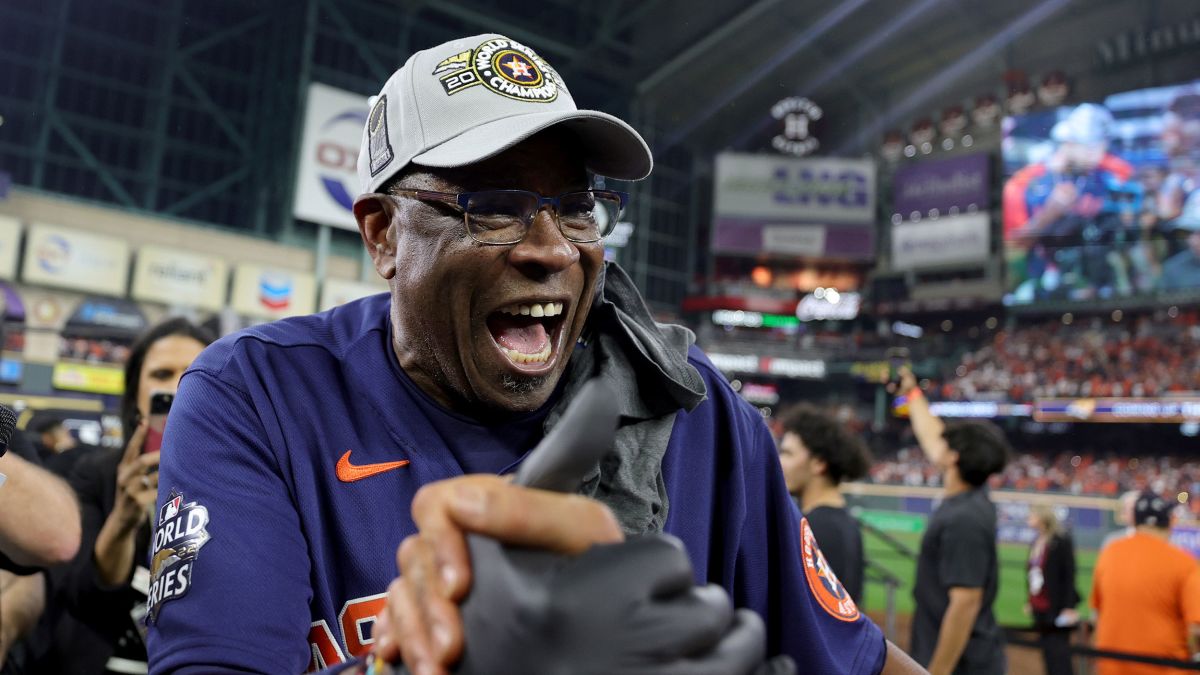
{"points": [[517, 357], [536, 309]]}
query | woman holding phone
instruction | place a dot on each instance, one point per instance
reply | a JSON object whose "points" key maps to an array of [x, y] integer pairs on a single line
{"points": [[107, 584]]}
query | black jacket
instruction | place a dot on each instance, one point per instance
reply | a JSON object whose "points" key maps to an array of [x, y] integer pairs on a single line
{"points": [[1058, 570], [105, 610]]}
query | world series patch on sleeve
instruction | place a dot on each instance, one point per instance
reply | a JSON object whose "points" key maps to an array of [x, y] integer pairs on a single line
{"points": [[178, 538]]}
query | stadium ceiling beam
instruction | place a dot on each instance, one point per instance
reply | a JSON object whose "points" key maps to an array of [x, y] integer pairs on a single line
{"points": [[159, 106], [613, 25], [207, 191], [748, 81], [229, 33], [498, 25], [49, 93], [705, 45], [378, 69], [215, 111], [940, 80], [840, 66], [90, 160]]}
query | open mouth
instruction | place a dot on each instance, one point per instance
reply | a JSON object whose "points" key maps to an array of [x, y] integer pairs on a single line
{"points": [[527, 333]]}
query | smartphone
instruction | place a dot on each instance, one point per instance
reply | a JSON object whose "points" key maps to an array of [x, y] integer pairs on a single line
{"points": [[160, 405], [897, 357]]}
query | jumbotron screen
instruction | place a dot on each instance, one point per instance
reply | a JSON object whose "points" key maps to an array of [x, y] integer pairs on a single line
{"points": [[1101, 199]]}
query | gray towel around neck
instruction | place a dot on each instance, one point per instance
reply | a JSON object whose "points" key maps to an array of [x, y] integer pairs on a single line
{"points": [[645, 363]]}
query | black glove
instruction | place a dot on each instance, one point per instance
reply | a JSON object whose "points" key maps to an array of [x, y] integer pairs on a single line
{"points": [[619, 608]]}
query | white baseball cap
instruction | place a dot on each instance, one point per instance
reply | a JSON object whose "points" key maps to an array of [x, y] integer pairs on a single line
{"points": [[1087, 123], [469, 99]]}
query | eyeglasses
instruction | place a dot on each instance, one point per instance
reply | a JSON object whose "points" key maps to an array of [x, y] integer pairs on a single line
{"points": [[504, 216]]}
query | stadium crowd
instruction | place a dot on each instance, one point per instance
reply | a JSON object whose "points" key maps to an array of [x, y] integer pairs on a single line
{"points": [[1144, 356], [1077, 474]]}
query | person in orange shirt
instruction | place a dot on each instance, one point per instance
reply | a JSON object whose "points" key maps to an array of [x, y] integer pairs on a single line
{"points": [[1146, 593]]}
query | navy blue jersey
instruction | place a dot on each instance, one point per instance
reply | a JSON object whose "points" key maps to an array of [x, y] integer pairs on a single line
{"points": [[293, 452]]}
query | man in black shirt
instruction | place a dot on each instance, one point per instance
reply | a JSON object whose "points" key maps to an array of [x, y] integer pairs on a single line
{"points": [[817, 454], [954, 630]]}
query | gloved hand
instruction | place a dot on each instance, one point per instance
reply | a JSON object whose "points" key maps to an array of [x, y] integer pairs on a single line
{"points": [[620, 608]]}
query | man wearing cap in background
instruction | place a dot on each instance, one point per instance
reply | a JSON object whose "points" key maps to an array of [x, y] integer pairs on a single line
{"points": [[301, 453], [1073, 183], [1077, 196], [1146, 593], [1182, 270]]}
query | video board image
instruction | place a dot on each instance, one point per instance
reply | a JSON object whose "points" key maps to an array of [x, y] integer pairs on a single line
{"points": [[1100, 199]]}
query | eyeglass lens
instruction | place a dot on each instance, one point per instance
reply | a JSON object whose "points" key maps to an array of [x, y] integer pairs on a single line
{"points": [[505, 216]]}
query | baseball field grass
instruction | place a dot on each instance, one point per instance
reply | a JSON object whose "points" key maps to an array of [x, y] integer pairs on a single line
{"points": [[1010, 599]]}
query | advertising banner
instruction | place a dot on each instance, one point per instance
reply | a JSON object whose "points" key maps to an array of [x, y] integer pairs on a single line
{"points": [[327, 179], [947, 240], [10, 243], [267, 293], [1187, 537], [179, 279], [1117, 410], [942, 184], [807, 207], [92, 378], [769, 365], [95, 345], [66, 258], [336, 292]]}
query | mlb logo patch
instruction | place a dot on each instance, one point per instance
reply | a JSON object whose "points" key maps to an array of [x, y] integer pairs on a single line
{"points": [[170, 509]]}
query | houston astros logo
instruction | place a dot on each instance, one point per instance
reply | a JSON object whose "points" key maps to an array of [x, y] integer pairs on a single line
{"points": [[502, 66], [829, 592]]}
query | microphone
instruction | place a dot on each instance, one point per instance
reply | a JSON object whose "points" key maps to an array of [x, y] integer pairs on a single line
{"points": [[8, 422], [578, 442]]}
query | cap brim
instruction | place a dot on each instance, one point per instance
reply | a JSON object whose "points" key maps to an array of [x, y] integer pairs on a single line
{"points": [[612, 147]]}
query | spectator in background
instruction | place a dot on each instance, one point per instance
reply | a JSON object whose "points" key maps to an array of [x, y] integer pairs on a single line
{"points": [[1123, 518], [52, 438], [817, 454], [117, 489], [60, 450], [1182, 270], [1181, 141], [1052, 592], [954, 630], [1146, 593]]}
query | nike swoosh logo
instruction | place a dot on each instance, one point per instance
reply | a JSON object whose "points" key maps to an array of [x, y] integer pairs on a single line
{"points": [[348, 473]]}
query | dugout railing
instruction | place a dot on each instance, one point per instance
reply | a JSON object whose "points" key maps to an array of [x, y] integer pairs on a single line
{"points": [[877, 572], [1024, 636]]}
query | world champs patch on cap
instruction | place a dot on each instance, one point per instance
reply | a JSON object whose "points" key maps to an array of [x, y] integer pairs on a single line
{"points": [[469, 99], [506, 67]]}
